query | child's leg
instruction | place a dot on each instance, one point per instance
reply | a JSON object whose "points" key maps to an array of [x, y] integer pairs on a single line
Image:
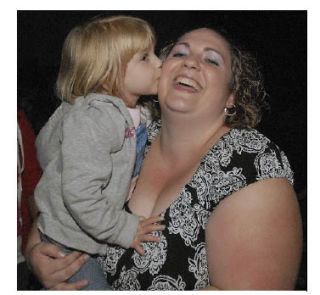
{"points": [[90, 271]]}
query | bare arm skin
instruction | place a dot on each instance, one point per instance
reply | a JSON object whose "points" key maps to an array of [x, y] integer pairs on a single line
{"points": [[254, 238]]}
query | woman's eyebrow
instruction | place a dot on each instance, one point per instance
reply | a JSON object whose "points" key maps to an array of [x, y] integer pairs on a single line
{"points": [[182, 43]]}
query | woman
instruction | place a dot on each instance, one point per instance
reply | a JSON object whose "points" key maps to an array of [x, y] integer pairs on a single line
{"points": [[235, 223]]}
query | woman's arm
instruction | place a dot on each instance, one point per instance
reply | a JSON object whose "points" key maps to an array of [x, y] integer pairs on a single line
{"points": [[51, 266], [254, 238]]}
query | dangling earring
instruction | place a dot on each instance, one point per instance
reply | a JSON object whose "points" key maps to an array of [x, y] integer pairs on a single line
{"points": [[230, 111]]}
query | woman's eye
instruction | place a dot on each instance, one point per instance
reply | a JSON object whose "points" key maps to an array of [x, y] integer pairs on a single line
{"points": [[212, 61]]}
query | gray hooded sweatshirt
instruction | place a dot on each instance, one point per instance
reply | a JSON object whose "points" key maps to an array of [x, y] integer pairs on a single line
{"points": [[87, 152]]}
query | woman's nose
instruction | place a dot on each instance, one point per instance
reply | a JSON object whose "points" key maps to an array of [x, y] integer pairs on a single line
{"points": [[191, 62]]}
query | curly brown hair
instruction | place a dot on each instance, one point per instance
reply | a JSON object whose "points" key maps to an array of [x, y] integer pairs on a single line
{"points": [[246, 85], [248, 89]]}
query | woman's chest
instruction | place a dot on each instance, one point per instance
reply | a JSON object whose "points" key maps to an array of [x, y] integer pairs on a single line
{"points": [[159, 185], [177, 262]]}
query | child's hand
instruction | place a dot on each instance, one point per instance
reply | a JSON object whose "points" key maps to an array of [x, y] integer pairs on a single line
{"points": [[145, 227]]}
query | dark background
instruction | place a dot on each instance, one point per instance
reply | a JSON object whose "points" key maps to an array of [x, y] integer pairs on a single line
{"points": [[277, 38]]}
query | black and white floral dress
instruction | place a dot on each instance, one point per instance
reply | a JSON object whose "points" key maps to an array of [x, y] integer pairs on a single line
{"points": [[179, 261]]}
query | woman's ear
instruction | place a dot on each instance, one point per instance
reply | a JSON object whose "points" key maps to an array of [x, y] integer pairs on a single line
{"points": [[230, 101]]}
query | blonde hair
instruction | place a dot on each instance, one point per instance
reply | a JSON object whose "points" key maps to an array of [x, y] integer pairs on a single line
{"points": [[98, 52]]}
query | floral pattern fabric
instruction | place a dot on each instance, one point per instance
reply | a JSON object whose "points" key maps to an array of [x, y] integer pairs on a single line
{"points": [[179, 261]]}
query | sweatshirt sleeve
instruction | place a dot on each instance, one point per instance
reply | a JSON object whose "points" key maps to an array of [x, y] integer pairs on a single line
{"points": [[49, 138], [87, 145]]}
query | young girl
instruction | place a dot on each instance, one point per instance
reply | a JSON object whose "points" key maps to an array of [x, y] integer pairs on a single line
{"points": [[88, 148]]}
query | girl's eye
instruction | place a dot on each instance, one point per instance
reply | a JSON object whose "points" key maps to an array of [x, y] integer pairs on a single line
{"points": [[178, 54], [212, 61], [145, 57]]}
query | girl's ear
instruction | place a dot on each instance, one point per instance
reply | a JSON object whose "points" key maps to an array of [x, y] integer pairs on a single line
{"points": [[99, 88], [102, 87]]}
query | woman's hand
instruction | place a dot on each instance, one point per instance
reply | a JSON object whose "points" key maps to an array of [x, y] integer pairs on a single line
{"points": [[145, 227], [52, 267]]}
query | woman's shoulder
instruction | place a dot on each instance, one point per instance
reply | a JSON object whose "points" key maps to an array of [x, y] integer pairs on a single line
{"points": [[248, 140], [252, 154]]}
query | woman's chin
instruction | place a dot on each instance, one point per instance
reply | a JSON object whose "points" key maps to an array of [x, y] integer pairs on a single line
{"points": [[178, 105]]}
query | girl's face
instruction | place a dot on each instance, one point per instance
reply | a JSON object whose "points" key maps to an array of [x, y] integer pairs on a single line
{"points": [[141, 76], [196, 76]]}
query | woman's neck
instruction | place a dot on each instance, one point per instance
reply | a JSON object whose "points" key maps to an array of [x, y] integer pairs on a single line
{"points": [[182, 136]]}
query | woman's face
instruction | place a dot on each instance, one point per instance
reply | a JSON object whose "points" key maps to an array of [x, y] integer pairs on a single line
{"points": [[196, 76]]}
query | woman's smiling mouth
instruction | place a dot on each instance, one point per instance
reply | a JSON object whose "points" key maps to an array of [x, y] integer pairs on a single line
{"points": [[187, 84]]}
